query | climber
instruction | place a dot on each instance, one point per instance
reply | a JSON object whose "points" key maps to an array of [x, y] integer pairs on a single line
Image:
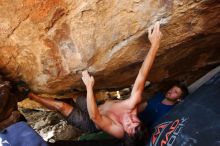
{"points": [[14, 129], [118, 118]]}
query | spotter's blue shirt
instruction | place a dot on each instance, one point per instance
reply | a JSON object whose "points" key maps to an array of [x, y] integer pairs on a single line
{"points": [[154, 110]]}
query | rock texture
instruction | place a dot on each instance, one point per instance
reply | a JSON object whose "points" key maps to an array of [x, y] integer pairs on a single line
{"points": [[51, 126], [48, 43]]}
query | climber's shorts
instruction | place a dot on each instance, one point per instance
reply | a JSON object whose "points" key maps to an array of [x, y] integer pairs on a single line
{"points": [[79, 117]]}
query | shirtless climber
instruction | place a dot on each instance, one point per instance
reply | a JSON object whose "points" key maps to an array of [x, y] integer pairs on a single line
{"points": [[117, 118]]}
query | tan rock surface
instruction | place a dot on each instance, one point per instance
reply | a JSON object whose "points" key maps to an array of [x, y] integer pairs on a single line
{"points": [[48, 43]]}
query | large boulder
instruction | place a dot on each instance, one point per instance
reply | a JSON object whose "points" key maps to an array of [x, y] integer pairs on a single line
{"points": [[48, 43]]}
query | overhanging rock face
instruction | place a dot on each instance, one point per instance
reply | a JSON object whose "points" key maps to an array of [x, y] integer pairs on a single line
{"points": [[48, 43]]}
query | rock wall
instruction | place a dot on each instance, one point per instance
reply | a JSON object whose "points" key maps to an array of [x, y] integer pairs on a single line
{"points": [[48, 43]]}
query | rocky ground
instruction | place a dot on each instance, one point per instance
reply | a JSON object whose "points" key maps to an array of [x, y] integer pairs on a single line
{"points": [[50, 125]]}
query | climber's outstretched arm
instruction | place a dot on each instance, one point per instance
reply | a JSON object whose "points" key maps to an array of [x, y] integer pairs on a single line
{"points": [[154, 36], [102, 121]]}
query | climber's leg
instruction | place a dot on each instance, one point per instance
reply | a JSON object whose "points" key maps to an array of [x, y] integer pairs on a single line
{"points": [[64, 108]]}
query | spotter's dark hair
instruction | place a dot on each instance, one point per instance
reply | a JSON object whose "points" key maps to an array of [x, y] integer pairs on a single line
{"points": [[183, 88]]}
